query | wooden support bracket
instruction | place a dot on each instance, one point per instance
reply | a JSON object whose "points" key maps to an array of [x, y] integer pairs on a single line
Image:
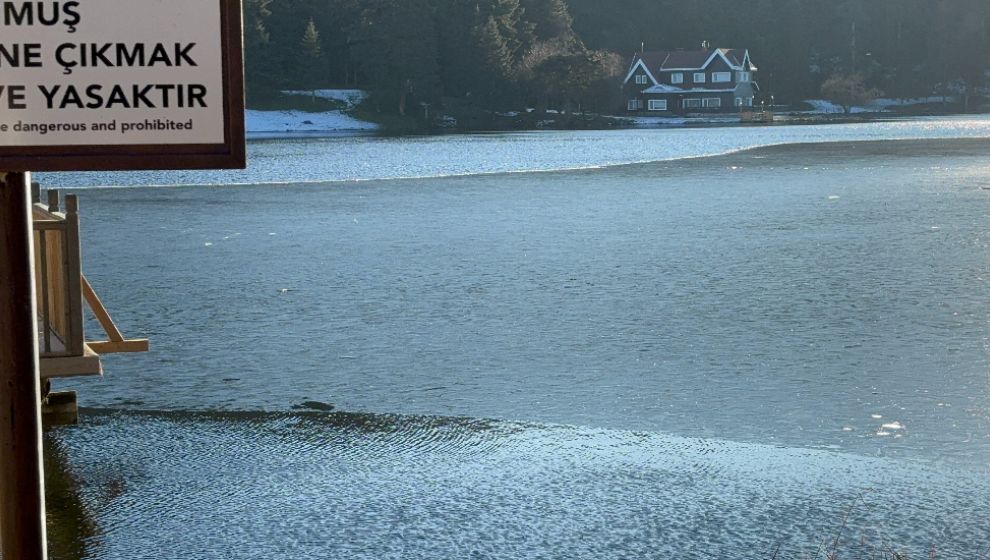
{"points": [[117, 343]]}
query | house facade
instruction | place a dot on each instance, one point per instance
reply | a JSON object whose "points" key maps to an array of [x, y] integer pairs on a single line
{"points": [[688, 82]]}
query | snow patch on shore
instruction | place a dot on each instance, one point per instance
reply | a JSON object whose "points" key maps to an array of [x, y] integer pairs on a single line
{"points": [[645, 121], [280, 123], [349, 97], [825, 107]]}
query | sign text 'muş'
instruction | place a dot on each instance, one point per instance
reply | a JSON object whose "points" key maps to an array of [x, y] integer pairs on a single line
{"points": [[105, 84]]}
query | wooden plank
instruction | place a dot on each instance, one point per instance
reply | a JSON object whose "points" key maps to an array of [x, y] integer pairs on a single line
{"points": [[22, 488], [77, 366], [75, 337], [119, 346], [60, 409], [100, 311]]}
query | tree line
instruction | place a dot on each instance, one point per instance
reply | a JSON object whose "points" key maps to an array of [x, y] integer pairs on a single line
{"points": [[571, 54]]}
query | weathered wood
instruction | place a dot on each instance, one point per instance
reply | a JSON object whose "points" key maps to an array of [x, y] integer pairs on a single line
{"points": [[43, 294], [22, 492], [53, 201], [60, 409], [75, 335], [74, 366], [120, 346]]}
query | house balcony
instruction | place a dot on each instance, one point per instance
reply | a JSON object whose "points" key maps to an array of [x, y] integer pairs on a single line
{"points": [[62, 292]]}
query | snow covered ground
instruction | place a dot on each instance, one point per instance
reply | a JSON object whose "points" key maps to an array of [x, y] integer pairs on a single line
{"points": [[646, 122], [288, 123], [822, 106], [349, 97], [270, 124]]}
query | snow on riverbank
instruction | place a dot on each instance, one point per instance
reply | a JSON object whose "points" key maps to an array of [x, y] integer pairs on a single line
{"points": [[349, 97], [288, 123], [822, 106], [264, 124], [647, 122]]}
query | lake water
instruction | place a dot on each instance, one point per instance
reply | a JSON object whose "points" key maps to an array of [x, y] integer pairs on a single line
{"points": [[705, 357]]}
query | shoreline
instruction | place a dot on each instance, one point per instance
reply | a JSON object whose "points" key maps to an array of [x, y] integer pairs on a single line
{"points": [[758, 155], [264, 124]]}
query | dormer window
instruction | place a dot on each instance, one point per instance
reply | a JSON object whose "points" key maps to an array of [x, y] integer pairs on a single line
{"points": [[742, 76], [721, 77], [699, 77], [641, 79], [677, 78]]}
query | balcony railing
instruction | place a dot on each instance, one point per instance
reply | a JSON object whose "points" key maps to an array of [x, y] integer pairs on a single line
{"points": [[61, 290]]}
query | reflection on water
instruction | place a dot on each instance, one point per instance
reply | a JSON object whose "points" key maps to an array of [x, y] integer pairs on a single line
{"points": [[71, 527], [316, 485]]}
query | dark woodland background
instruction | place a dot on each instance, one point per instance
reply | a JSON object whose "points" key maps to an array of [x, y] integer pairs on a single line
{"points": [[509, 54]]}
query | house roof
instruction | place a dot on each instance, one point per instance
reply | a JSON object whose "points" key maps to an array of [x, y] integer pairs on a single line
{"points": [[690, 60], [686, 59]]}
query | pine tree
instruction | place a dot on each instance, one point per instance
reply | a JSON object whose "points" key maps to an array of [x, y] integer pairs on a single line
{"points": [[312, 55]]}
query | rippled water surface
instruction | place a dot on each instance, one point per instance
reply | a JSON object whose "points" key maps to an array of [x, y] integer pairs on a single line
{"points": [[369, 487], [753, 345]]}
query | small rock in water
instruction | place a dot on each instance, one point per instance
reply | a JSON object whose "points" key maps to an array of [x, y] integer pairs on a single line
{"points": [[314, 405]]}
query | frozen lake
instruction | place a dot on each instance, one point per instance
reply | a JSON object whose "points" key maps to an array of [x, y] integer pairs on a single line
{"points": [[686, 358]]}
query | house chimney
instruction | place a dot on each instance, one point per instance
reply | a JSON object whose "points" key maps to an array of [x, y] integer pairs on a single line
{"points": [[705, 45], [642, 47]]}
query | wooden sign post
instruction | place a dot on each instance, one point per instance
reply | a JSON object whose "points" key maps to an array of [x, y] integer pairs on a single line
{"points": [[22, 491], [94, 85]]}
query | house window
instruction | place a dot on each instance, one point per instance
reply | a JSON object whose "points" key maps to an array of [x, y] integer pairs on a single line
{"points": [[677, 78], [699, 77], [742, 76], [721, 77], [634, 104], [744, 102], [711, 103], [692, 103], [641, 79], [658, 104]]}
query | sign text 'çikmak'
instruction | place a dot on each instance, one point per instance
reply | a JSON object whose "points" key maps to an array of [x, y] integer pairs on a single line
{"points": [[105, 77]]}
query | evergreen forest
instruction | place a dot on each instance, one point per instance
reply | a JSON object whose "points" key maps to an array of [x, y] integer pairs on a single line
{"points": [[573, 54]]}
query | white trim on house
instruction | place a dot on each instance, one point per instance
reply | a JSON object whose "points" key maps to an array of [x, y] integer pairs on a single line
{"points": [[664, 88], [633, 71], [718, 52], [658, 105], [747, 63]]}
